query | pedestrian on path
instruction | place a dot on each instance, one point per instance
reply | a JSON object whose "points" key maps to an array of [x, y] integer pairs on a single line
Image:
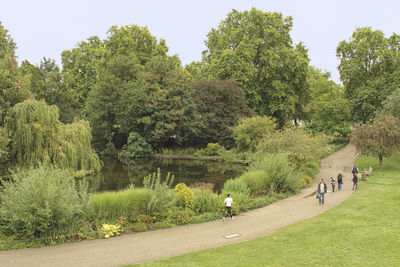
{"points": [[333, 184], [354, 170], [228, 202], [355, 181], [322, 189], [340, 180]]}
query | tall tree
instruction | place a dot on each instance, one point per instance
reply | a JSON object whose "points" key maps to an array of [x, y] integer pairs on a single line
{"points": [[380, 138], [46, 82], [82, 65], [13, 87], [255, 48], [221, 103], [328, 111], [370, 69]]}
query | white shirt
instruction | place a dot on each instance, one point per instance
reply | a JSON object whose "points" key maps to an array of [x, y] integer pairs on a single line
{"points": [[321, 188], [228, 201]]}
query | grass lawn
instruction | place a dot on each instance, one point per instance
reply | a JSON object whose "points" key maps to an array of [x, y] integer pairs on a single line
{"points": [[364, 230]]}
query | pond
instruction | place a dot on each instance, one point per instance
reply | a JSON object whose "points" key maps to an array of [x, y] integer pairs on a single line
{"points": [[118, 174]]}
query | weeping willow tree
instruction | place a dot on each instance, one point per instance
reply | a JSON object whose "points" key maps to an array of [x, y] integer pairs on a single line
{"points": [[38, 137]]}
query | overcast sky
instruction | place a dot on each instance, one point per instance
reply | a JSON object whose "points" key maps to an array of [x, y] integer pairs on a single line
{"points": [[44, 28]]}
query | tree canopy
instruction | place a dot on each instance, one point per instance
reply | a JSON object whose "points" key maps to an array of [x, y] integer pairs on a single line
{"points": [[380, 138], [255, 48], [370, 70], [38, 137]]}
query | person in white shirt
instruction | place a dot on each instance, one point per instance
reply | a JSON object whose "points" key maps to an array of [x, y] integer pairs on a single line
{"points": [[228, 202], [322, 189]]}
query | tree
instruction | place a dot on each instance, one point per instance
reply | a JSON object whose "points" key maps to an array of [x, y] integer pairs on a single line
{"points": [[38, 137], [380, 138], [82, 66], [255, 49], [168, 116], [392, 104], [221, 105], [369, 68], [46, 82], [328, 111], [250, 131], [12, 85]]}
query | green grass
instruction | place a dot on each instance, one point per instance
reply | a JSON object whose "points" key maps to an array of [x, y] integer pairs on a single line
{"points": [[364, 230]]}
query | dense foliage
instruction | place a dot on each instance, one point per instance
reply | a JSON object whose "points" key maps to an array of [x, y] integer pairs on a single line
{"points": [[370, 70], [255, 48], [221, 104], [43, 203], [38, 137], [380, 138]]}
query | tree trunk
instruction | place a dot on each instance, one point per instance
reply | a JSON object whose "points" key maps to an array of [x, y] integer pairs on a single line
{"points": [[380, 162]]}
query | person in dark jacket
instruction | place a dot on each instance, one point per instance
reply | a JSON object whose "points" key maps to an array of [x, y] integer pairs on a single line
{"points": [[340, 180], [322, 189]]}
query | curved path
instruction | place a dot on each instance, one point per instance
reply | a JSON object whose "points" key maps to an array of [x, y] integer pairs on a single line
{"points": [[147, 246]]}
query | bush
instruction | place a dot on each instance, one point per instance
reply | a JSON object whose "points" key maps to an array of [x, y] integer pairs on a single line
{"points": [[240, 194], [184, 196], [281, 176], [109, 230], [43, 203], [178, 216], [255, 180], [251, 131], [300, 147], [212, 149], [204, 200], [129, 203], [136, 147], [236, 186], [163, 197]]}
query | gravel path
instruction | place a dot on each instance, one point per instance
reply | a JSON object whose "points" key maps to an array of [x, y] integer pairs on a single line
{"points": [[135, 248]]}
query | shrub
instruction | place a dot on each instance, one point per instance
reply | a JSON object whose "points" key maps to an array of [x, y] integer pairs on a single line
{"points": [[305, 180], [204, 200], [255, 180], [300, 147], [178, 216], [139, 227], [184, 196], [240, 194], [136, 147], [212, 149], [251, 131], [281, 176], [163, 197], [44, 202], [129, 203], [109, 230], [236, 186]]}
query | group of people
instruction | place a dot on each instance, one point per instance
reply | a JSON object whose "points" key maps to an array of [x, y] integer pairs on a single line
{"points": [[322, 188]]}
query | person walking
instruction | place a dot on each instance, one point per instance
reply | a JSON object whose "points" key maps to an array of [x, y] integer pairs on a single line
{"points": [[333, 184], [340, 180], [355, 181], [322, 189], [228, 202], [354, 170]]}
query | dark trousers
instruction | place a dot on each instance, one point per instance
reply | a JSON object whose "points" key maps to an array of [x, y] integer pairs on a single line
{"points": [[321, 198], [228, 212], [333, 188], [354, 186]]}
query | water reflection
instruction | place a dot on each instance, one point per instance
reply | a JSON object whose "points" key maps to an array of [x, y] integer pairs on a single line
{"points": [[117, 175]]}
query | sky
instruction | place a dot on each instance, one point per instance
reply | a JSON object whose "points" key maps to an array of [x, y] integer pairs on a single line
{"points": [[45, 28]]}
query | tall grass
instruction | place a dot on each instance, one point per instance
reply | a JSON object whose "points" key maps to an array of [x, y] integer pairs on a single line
{"points": [[129, 203]]}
